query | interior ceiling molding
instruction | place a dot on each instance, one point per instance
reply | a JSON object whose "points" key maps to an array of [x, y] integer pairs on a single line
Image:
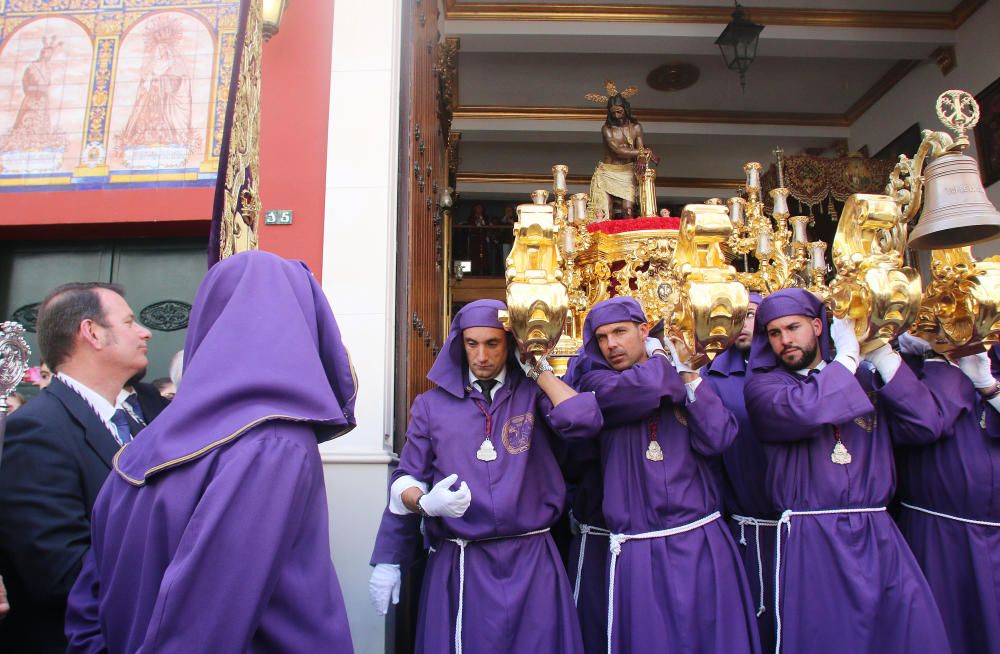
{"points": [[543, 11], [893, 76], [544, 180], [484, 112]]}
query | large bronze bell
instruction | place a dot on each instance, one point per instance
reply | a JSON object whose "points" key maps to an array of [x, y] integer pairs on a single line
{"points": [[956, 210]]}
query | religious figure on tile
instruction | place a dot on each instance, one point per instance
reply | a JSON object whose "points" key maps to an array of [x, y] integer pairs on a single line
{"points": [[161, 115], [33, 129], [625, 156]]}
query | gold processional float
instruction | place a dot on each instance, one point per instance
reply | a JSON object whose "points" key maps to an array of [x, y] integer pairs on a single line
{"points": [[558, 268]]}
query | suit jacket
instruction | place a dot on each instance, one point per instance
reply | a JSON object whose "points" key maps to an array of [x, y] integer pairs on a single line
{"points": [[56, 457], [150, 401]]}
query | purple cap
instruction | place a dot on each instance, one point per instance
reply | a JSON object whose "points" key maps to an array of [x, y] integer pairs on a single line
{"points": [[449, 369], [782, 303], [617, 309]]}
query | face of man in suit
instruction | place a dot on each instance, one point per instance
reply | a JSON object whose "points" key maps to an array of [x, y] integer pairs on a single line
{"points": [[121, 341]]}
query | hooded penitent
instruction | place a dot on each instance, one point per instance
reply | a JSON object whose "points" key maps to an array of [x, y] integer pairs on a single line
{"points": [[262, 344], [450, 369]]}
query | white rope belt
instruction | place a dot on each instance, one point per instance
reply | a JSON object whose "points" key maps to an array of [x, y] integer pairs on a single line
{"points": [[968, 521], [462, 543], [786, 519], [743, 521], [585, 530], [615, 542]]}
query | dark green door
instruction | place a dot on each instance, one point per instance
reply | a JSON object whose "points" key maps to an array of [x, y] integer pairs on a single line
{"points": [[160, 279]]}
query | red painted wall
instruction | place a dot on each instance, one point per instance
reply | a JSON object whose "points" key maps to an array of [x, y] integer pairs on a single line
{"points": [[295, 110], [294, 115]]}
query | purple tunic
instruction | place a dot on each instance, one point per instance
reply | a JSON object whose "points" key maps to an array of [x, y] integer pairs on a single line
{"points": [[517, 596], [744, 492], [848, 582], [675, 589], [211, 532], [958, 475], [230, 553]]}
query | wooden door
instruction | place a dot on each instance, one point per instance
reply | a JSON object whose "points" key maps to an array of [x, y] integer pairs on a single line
{"points": [[423, 174]]}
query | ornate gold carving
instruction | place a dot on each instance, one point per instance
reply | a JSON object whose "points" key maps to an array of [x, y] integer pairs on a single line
{"points": [[241, 208], [713, 304], [536, 297], [961, 305], [872, 285], [781, 253]]}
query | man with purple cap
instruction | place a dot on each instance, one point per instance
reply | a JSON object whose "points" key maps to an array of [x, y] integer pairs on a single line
{"points": [[210, 534], [949, 492], [675, 577], [494, 571], [752, 515], [845, 580]]}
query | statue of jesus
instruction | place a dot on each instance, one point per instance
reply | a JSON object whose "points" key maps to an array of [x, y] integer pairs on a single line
{"points": [[625, 156]]}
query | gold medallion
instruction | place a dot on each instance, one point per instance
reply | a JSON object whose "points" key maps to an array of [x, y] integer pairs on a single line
{"points": [[840, 455], [654, 452], [486, 451]]}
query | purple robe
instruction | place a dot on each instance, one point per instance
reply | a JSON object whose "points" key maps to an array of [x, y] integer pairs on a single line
{"points": [[211, 532], [744, 492], [517, 597], [665, 587], [848, 582], [588, 573], [957, 475], [669, 590], [587, 560]]}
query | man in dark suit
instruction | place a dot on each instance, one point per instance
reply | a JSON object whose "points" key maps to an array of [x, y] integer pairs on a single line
{"points": [[141, 401], [59, 450]]}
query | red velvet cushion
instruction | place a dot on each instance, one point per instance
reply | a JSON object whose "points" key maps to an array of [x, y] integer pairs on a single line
{"points": [[634, 225]]}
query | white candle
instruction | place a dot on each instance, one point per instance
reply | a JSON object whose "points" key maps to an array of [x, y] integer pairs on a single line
{"points": [[736, 210], [763, 244], [799, 233], [752, 170], [779, 196], [559, 173]]}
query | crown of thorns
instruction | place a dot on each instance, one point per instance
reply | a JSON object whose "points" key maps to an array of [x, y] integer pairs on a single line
{"points": [[612, 90]]}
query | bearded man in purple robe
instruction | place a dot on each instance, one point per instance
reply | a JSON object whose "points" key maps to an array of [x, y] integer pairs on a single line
{"points": [[751, 513], [845, 579], [211, 534], [675, 579], [949, 491], [478, 466]]}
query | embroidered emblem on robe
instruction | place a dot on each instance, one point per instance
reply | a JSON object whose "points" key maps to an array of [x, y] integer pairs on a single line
{"points": [[517, 433]]}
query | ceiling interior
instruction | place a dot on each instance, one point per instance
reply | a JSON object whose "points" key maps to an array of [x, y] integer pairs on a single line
{"points": [[524, 68]]}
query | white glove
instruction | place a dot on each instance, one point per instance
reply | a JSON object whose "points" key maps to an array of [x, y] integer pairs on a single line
{"points": [[886, 361], [977, 368], [533, 371], [383, 584], [913, 345], [679, 365], [653, 345], [446, 503], [846, 342]]}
